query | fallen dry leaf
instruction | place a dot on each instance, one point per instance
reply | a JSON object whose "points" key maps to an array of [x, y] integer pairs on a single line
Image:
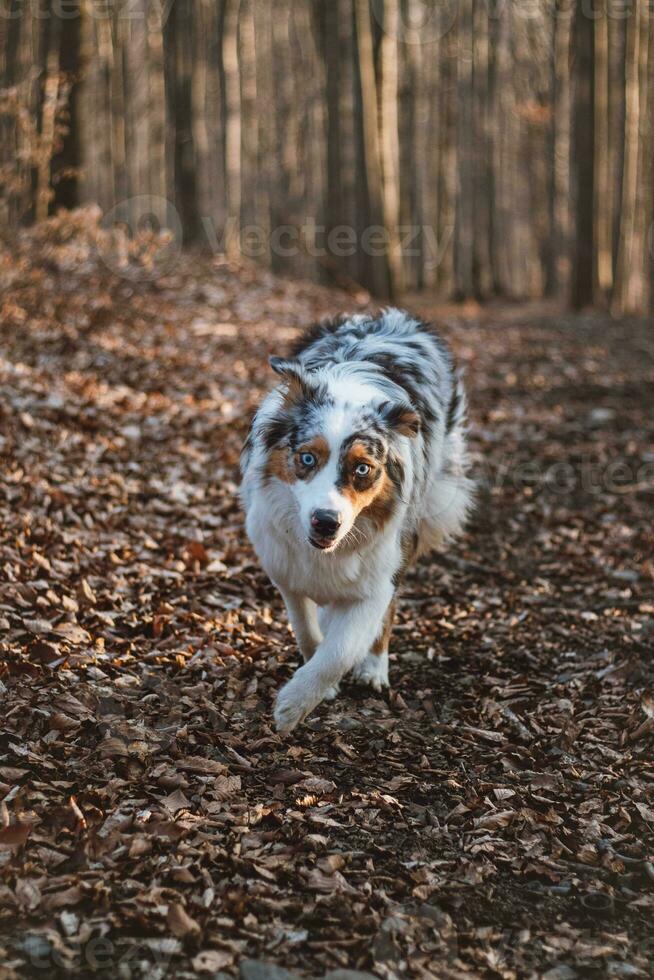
{"points": [[180, 922], [491, 815]]}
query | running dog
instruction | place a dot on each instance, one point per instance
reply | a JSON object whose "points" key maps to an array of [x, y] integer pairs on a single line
{"points": [[354, 466]]}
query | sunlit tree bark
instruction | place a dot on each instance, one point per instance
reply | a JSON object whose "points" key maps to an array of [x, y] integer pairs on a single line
{"points": [[583, 159], [625, 270], [374, 253], [603, 196]]}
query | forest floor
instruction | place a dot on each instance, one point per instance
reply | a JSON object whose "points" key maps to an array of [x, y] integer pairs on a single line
{"points": [[492, 816]]}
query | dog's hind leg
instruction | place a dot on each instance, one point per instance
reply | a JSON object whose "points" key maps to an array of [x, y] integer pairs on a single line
{"points": [[373, 670]]}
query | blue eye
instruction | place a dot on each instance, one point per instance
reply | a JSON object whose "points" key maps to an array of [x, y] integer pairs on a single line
{"points": [[362, 469], [308, 460]]}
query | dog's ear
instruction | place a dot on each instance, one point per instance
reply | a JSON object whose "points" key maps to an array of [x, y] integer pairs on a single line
{"points": [[284, 367], [298, 383], [401, 419]]}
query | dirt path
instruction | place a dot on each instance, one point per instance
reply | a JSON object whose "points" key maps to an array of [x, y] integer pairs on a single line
{"points": [[493, 816]]}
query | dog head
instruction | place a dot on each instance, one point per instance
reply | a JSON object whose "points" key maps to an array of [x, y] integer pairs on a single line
{"points": [[338, 446]]}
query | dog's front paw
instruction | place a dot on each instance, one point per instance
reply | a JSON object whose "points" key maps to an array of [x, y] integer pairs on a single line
{"points": [[373, 670], [294, 702], [289, 712]]}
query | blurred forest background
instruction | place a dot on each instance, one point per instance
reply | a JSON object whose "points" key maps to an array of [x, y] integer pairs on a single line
{"points": [[505, 146]]}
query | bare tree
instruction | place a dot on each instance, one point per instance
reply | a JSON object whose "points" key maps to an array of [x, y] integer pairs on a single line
{"points": [[603, 191], [584, 159], [513, 147], [375, 256]]}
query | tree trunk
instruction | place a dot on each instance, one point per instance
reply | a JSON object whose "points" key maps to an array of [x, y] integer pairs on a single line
{"points": [[624, 268], [374, 254], [389, 128], [603, 203], [47, 134], [465, 195], [232, 89], [583, 156], [639, 286], [66, 163], [482, 272]]}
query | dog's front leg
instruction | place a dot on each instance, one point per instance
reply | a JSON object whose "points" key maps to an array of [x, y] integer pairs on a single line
{"points": [[353, 628], [303, 617]]}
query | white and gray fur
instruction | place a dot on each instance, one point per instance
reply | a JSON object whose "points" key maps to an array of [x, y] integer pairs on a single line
{"points": [[387, 383]]}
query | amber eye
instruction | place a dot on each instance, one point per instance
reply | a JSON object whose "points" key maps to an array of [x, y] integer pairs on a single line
{"points": [[362, 469]]}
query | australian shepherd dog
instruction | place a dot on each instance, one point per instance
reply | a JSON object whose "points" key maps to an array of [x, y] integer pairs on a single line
{"points": [[354, 466]]}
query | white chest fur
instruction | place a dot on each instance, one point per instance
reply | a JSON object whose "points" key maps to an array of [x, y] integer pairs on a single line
{"points": [[297, 567]]}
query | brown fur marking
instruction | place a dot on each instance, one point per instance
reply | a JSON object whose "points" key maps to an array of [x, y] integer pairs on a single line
{"points": [[409, 546], [278, 465], [408, 424], [295, 390], [320, 449], [376, 496], [381, 643], [382, 507], [289, 469]]}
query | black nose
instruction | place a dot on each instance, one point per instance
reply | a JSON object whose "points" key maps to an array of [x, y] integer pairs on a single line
{"points": [[325, 522]]}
